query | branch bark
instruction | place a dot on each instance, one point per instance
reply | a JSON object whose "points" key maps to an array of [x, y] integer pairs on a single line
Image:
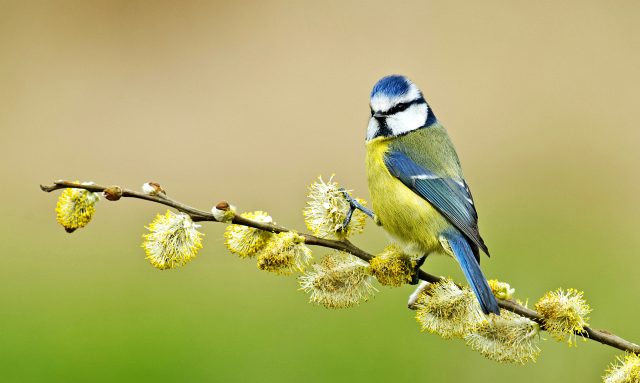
{"points": [[602, 336]]}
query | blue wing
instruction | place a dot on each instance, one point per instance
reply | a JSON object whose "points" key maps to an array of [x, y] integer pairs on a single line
{"points": [[452, 198]]}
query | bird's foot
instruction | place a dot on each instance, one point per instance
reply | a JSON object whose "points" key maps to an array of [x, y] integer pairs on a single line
{"points": [[353, 205], [414, 277]]}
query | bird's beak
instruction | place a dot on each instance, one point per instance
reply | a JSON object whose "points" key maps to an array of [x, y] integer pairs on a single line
{"points": [[378, 115]]}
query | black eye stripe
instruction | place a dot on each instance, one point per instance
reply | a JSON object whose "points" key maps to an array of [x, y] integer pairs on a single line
{"points": [[399, 108], [404, 106]]}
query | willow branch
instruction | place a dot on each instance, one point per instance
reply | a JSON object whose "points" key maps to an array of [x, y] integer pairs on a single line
{"points": [[602, 336]]}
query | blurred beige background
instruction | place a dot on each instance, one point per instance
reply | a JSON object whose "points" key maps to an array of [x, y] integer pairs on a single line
{"points": [[250, 101]]}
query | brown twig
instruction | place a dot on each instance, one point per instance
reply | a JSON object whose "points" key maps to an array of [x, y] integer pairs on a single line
{"points": [[602, 336]]}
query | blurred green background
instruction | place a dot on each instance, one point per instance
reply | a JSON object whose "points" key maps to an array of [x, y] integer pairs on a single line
{"points": [[249, 102]]}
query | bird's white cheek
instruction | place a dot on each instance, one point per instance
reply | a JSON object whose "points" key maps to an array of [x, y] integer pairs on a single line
{"points": [[408, 120], [372, 129]]}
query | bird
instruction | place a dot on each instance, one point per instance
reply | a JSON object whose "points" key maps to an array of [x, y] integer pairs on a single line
{"points": [[418, 192]]}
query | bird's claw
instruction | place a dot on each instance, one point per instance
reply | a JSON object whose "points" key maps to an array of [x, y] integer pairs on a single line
{"points": [[353, 205], [347, 219], [414, 277]]}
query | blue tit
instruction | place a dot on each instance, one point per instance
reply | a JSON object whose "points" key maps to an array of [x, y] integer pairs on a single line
{"points": [[417, 189]]}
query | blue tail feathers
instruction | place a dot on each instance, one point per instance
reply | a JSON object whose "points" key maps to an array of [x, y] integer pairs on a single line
{"points": [[467, 259]]}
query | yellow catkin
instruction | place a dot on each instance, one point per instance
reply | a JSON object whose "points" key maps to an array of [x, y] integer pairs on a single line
{"points": [[392, 267], [624, 370], [75, 208], [508, 338], [172, 240], [564, 312], [285, 254], [445, 309], [502, 290], [247, 241], [340, 280]]}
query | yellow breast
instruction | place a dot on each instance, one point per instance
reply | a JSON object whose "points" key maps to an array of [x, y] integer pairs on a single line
{"points": [[410, 219]]}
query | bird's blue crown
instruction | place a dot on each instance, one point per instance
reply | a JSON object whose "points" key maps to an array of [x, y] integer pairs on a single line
{"points": [[392, 86]]}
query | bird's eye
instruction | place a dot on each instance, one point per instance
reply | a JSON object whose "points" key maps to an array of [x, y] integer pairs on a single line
{"points": [[399, 107]]}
